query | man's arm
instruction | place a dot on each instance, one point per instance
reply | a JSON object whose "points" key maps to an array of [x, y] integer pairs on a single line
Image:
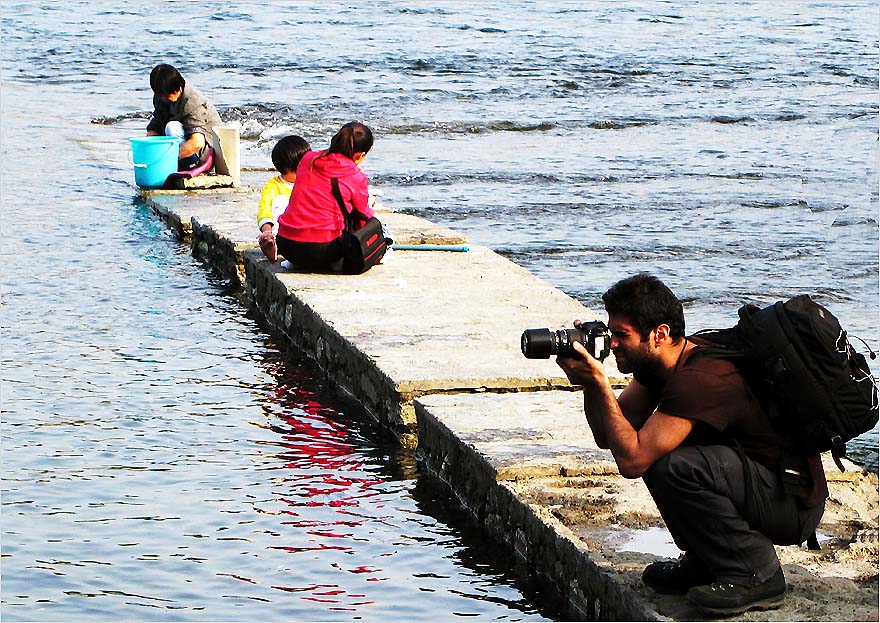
{"points": [[636, 434], [156, 126], [198, 117]]}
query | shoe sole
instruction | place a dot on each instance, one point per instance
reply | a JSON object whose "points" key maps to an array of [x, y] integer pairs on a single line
{"points": [[765, 604], [668, 589]]}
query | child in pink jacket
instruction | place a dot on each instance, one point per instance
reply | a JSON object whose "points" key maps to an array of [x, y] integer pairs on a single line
{"points": [[310, 230]]}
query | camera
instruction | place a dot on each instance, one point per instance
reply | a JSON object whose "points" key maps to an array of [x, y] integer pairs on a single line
{"points": [[544, 343]]}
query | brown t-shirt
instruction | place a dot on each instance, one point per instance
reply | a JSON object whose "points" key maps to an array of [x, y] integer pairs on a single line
{"points": [[712, 393]]}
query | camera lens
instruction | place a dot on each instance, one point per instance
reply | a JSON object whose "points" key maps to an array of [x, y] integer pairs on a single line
{"points": [[538, 343], [544, 343]]}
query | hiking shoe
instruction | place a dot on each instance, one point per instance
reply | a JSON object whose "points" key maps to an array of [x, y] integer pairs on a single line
{"points": [[723, 598], [672, 577]]}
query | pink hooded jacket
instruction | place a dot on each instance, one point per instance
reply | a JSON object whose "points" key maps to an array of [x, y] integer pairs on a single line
{"points": [[313, 215]]}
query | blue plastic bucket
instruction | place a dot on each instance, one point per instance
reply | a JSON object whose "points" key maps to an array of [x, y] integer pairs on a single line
{"points": [[154, 159]]}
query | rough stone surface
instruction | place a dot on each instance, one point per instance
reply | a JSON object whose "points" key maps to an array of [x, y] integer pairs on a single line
{"points": [[177, 207], [529, 470], [387, 338], [202, 182], [239, 206], [221, 245]]}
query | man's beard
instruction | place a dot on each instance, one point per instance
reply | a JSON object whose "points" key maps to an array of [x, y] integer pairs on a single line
{"points": [[639, 362]]}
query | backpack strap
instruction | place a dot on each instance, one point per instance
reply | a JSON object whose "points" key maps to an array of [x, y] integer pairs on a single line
{"points": [[791, 479], [838, 450]]}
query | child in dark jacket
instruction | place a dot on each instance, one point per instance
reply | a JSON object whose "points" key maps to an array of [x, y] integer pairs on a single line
{"points": [[179, 109]]}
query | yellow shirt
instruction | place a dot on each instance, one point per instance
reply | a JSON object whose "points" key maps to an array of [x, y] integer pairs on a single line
{"points": [[273, 201]]}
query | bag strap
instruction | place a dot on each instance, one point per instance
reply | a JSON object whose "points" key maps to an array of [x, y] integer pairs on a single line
{"points": [[790, 481], [347, 217]]}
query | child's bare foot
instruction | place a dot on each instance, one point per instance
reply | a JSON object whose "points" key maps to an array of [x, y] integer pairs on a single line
{"points": [[268, 245]]}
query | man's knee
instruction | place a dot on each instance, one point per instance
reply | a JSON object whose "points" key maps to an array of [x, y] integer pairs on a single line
{"points": [[680, 465], [174, 128]]}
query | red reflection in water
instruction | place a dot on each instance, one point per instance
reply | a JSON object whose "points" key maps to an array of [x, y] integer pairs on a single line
{"points": [[323, 470], [362, 569], [332, 535], [301, 589], [318, 547]]}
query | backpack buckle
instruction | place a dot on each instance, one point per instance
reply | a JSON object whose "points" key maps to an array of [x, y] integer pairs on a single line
{"points": [[777, 366]]}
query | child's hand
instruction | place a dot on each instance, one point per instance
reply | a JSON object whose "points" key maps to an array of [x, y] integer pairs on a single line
{"points": [[268, 245]]}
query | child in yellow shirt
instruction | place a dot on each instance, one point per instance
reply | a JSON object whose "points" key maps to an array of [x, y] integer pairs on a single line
{"points": [[276, 192]]}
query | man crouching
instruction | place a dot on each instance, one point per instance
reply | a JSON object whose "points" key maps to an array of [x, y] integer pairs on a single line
{"points": [[688, 425]]}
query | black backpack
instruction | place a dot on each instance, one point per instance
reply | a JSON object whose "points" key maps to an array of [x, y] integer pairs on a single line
{"points": [[795, 356]]}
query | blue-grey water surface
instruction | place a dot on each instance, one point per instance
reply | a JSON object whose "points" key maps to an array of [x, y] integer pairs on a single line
{"points": [[163, 460]]}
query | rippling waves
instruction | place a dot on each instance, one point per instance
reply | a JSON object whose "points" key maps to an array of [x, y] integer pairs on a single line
{"points": [[161, 459]]}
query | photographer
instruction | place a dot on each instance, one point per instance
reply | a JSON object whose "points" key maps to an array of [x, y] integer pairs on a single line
{"points": [[688, 425]]}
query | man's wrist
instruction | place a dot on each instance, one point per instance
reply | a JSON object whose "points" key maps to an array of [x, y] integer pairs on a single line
{"points": [[595, 383]]}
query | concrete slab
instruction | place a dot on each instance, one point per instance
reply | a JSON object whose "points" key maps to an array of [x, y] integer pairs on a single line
{"points": [[222, 225], [176, 208], [423, 322], [528, 469], [413, 230], [239, 205]]}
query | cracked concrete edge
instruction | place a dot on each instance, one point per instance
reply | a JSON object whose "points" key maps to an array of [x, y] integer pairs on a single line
{"points": [[345, 366], [545, 545], [582, 497]]}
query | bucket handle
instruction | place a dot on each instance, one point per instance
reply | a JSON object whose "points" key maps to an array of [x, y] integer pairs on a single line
{"points": [[144, 166]]}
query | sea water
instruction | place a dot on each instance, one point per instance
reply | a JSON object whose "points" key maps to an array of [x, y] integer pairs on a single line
{"points": [[163, 459]]}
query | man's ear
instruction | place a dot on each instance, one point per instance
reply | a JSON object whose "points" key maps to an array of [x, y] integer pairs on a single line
{"points": [[661, 333]]}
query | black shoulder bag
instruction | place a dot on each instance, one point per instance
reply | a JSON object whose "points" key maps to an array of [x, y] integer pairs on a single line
{"points": [[364, 247]]}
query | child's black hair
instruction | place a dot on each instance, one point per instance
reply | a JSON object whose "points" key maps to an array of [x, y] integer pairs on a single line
{"points": [[288, 152], [165, 80], [352, 138]]}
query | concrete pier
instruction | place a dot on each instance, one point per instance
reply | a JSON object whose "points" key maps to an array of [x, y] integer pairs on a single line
{"points": [[426, 322], [528, 469], [428, 343]]}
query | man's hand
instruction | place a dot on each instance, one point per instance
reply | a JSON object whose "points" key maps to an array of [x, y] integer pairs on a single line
{"points": [[584, 370]]}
